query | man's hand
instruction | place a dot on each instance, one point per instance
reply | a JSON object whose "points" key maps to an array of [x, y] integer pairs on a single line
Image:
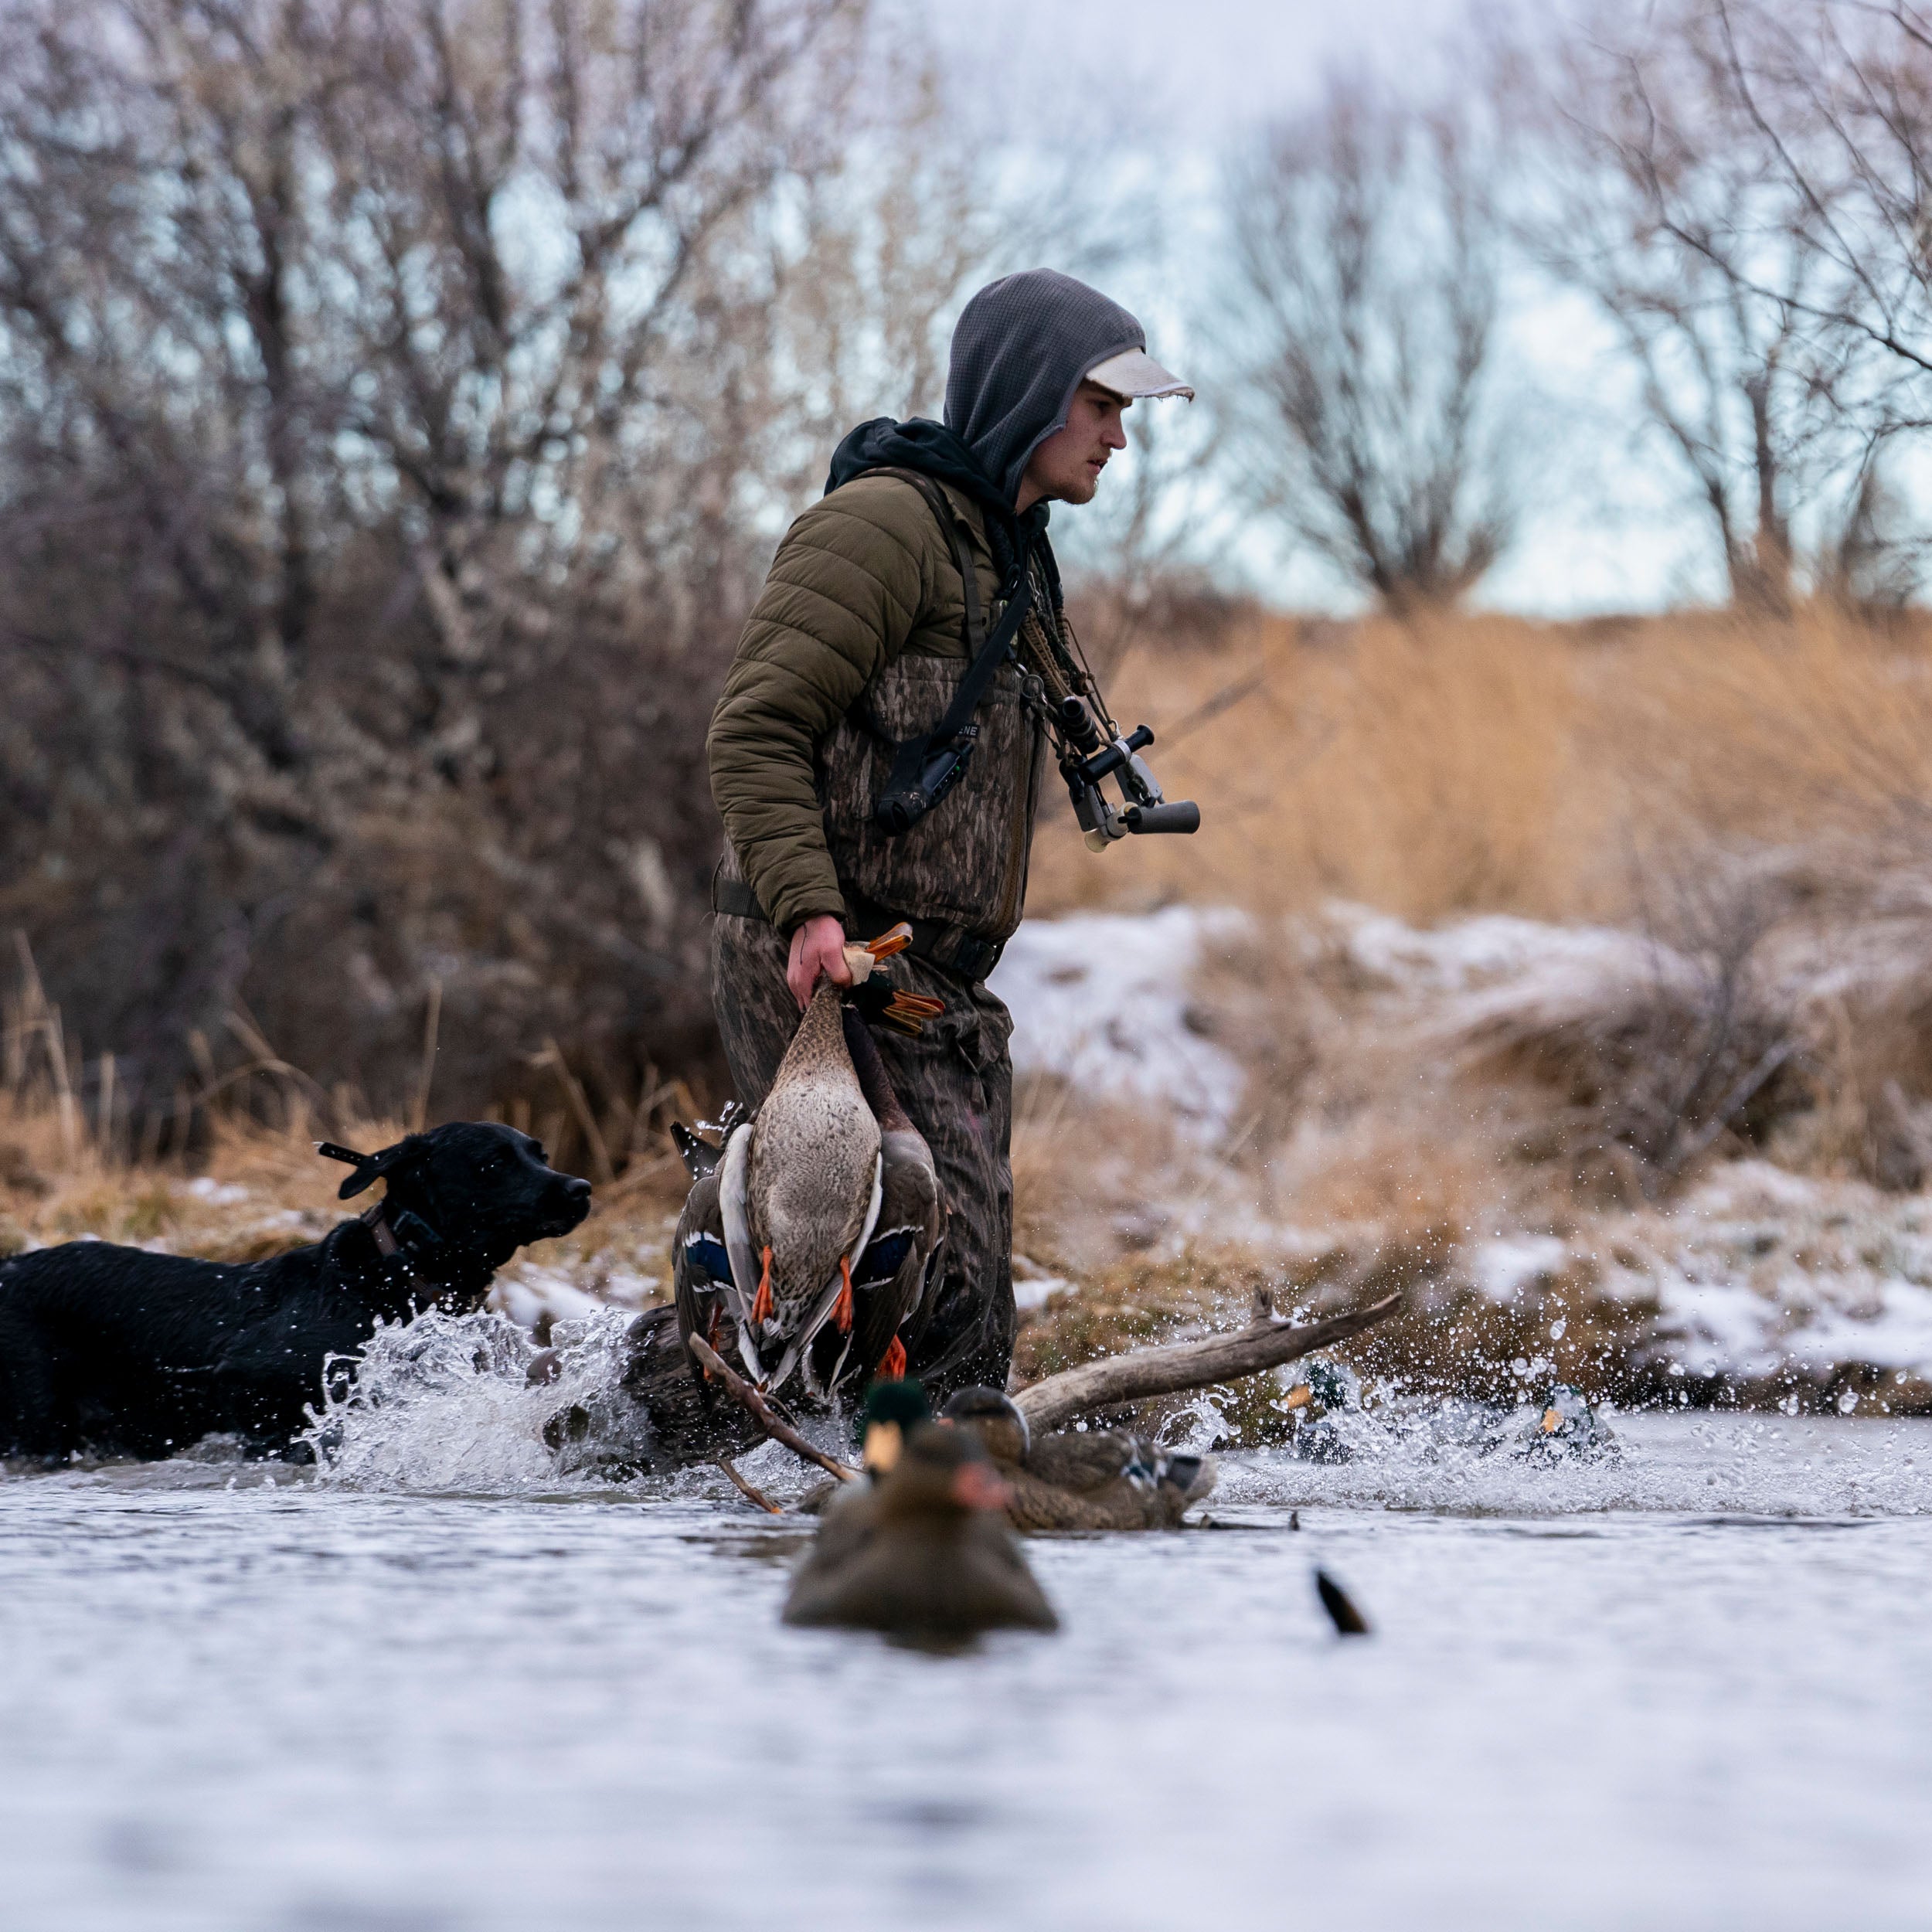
{"points": [[818, 945]]}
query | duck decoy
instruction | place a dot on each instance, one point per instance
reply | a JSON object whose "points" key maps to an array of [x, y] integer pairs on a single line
{"points": [[1080, 1479], [1349, 1620], [1568, 1428], [892, 1407], [1326, 1391], [924, 1552], [778, 1232]]}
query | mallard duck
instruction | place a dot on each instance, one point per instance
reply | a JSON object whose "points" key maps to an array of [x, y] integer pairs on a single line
{"points": [[923, 1552], [779, 1227], [889, 1279], [1080, 1479], [1568, 1426]]}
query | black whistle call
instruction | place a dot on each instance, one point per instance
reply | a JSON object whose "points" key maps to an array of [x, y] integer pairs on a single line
{"points": [[1182, 815], [1086, 756]]}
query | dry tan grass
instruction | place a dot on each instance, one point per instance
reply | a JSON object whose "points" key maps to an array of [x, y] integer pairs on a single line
{"points": [[1486, 763]]}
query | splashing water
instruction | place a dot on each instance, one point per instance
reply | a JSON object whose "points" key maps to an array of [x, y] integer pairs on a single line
{"points": [[445, 1402]]}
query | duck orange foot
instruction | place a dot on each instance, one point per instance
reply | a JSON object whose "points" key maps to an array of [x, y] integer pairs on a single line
{"points": [[892, 1364], [841, 1308], [761, 1306]]}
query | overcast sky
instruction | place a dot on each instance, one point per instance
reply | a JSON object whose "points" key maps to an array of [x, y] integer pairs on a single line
{"points": [[1200, 64], [1177, 81]]}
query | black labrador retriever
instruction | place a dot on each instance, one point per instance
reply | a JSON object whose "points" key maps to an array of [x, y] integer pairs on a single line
{"points": [[115, 1350]]}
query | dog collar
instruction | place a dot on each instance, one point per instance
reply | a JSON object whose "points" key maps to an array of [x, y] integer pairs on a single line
{"points": [[402, 1239]]}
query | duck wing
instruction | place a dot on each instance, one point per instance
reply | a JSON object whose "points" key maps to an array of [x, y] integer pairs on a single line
{"points": [[734, 1180], [700, 1262], [700, 1157], [889, 1281], [1082, 1460]]}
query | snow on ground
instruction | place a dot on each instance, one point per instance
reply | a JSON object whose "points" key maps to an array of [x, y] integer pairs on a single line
{"points": [[1754, 1271], [1503, 1268], [1102, 998], [529, 1293], [1470, 954], [1757, 1269]]}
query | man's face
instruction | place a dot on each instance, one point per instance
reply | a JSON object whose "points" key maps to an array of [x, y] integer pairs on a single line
{"points": [[1067, 468]]}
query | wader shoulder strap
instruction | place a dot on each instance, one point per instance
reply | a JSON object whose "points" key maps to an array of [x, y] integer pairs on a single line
{"points": [[913, 758]]}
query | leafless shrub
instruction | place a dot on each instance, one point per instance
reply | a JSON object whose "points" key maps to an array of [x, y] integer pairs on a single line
{"points": [[1653, 1068], [1367, 281]]}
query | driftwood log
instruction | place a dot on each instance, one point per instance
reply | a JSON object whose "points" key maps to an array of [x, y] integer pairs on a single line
{"points": [[664, 1414], [1265, 1343], [748, 1398]]}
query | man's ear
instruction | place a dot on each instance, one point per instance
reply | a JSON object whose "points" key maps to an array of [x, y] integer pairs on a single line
{"points": [[374, 1167]]}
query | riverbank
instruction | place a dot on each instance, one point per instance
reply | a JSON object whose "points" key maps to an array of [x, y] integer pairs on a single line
{"points": [[1208, 1104]]}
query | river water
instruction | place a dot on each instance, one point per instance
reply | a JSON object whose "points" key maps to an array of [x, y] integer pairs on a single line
{"points": [[1689, 1687]]}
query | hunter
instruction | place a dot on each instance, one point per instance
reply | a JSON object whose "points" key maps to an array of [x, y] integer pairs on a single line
{"points": [[881, 598]]}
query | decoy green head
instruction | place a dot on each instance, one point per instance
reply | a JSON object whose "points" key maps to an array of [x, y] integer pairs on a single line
{"points": [[1328, 1386], [892, 1409]]}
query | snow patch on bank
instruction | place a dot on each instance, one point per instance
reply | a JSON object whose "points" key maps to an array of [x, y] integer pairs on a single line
{"points": [[1758, 1270], [1468, 955], [1755, 1273], [1102, 1000]]}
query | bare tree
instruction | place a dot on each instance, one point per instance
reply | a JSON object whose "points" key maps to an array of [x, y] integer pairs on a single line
{"points": [[1835, 98], [386, 415], [1368, 274], [1658, 196]]}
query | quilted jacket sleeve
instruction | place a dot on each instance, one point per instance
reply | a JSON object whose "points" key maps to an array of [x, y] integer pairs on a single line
{"points": [[843, 593]]}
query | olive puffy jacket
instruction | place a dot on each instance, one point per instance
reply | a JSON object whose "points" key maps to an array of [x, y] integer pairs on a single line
{"points": [[861, 617]]}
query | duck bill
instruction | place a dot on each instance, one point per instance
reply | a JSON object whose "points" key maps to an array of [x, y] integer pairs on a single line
{"points": [[1298, 1397], [1552, 1420], [895, 939]]}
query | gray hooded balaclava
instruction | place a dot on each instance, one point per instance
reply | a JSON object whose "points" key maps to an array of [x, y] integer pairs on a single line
{"points": [[1021, 348]]}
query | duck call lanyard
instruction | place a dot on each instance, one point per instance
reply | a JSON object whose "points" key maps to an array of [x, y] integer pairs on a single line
{"points": [[928, 765]]}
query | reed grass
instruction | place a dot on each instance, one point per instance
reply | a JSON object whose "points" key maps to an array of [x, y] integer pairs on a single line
{"points": [[1486, 763]]}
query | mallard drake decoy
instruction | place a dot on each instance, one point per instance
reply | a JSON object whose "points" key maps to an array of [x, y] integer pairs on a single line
{"points": [[1327, 1391], [924, 1552], [892, 1408], [1080, 1479], [1568, 1426]]}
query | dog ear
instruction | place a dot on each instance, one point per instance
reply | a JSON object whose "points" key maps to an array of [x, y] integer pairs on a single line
{"points": [[373, 1166]]}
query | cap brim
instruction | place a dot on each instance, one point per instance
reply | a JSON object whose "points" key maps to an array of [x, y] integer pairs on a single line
{"points": [[1135, 373]]}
